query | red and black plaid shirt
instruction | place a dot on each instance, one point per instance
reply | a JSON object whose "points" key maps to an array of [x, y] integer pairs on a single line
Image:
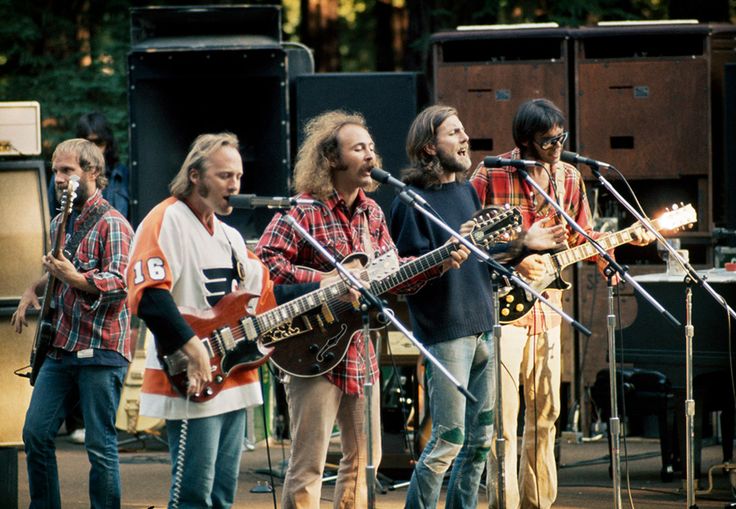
{"points": [[291, 259], [82, 320], [498, 186]]}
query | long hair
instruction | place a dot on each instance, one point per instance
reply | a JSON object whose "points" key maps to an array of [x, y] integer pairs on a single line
{"points": [[88, 155], [199, 154], [96, 123], [425, 170], [320, 151], [535, 116]]}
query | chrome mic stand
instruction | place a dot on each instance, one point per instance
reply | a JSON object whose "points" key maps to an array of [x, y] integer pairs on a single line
{"points": [[689, 401], [614, 423], [692, 276], [498, 417]]}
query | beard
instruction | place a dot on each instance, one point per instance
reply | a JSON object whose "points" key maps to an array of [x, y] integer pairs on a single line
{"points": [[82, 194], [452, 163]]}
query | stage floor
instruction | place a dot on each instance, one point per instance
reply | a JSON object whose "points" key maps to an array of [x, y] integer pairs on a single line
{"points": [[583, 478]]}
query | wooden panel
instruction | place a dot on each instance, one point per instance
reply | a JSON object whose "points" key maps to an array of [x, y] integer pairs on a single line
{"points": [[15, 352], [488, 95], [648, 117], [23, 227]]}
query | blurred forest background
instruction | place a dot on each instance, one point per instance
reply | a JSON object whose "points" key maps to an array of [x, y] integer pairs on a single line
{"points": [[70, 55]]}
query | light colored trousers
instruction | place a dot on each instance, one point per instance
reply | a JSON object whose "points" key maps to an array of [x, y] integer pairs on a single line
{"points": [[314, 406], [535, 361]]}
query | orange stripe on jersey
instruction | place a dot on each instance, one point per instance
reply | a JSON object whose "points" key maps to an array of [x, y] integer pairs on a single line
{"points": [[148, 267], [155, 381]]}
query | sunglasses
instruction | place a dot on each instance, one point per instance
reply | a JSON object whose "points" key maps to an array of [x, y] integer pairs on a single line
{"points": [[547, 143]]}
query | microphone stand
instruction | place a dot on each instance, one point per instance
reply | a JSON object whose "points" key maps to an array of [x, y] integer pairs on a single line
{"points": [[691, 277], [611, 269], [370, 301]]}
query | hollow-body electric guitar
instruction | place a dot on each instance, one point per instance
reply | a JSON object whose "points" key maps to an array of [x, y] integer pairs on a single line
{"points": [[516, 302], [309, 335], [44, 332]]}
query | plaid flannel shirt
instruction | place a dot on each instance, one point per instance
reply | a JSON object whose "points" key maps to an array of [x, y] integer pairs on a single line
{"points": [[82, 320], [498, 186], [291, 259]]}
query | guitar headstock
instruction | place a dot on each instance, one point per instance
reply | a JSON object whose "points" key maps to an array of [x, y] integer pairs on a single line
{"points": [[678, 216], [495, 224], [68, 196]]}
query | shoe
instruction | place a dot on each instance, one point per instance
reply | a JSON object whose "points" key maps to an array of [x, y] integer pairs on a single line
{"points": [[76, 436]]}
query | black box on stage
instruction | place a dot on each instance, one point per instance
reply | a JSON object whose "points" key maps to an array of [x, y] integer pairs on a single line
{"points": [[388, 101], [231, 73]]}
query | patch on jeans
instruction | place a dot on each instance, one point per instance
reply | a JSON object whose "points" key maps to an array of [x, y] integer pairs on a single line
{"points": [[485, 418], [481, 453], [444, 450]]}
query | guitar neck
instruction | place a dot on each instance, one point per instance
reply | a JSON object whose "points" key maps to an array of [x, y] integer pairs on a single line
{"points": [[300, 305], [413, 268], [586, 250]]}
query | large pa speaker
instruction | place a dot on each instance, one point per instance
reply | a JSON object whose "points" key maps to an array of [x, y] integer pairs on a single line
{"points": [[388, 101], [729, 128], [230, 74], [641, 92], [488, 74]]}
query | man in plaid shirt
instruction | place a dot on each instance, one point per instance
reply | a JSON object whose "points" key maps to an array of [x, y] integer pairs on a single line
{"points": [[90, 348], [530, 346], [333, 165]]}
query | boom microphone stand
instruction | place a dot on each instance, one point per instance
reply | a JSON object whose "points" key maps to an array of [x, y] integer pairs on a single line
{"points": [[691, 277]]}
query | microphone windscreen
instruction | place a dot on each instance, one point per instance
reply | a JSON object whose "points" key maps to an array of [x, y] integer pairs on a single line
{"points": [[569, 157], [492, 162]]}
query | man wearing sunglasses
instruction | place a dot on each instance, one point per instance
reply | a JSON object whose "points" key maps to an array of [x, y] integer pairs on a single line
{"points": [[530, 346]]}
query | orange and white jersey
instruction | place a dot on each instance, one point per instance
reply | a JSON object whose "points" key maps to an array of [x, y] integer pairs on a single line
{"points": [[172, 250]]}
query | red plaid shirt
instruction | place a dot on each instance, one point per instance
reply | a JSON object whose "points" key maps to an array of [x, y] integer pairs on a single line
{"points": [[291, 259], [82, 320], [498, 186]]}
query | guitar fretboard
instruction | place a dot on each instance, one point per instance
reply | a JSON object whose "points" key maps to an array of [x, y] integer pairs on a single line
{"points": [[586, 250], [412, 269]]}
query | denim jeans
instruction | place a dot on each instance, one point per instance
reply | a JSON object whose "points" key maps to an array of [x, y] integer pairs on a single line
{"points": [[461, 429], [211, 461], [99, 394]]}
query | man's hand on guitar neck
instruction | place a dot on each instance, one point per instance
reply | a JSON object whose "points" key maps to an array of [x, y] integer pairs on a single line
{"points": [[642, 236], [458, 256], [198, 365], [29, 298], [540, 238]]}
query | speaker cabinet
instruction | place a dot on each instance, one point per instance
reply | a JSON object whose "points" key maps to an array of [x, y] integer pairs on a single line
{"points": [[487, 75], [729, 125], [641, 92], [24, 220], [388, 101], [204, 70]]}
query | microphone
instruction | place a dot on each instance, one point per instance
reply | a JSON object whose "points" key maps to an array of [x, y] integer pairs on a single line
{"points": [[573, 158], [405, 193], [385, 177], [251, 201], [498, 162]]}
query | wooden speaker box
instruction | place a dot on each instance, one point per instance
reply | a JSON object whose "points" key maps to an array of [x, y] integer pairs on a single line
{"points": [[488, 74], [643, 99]]}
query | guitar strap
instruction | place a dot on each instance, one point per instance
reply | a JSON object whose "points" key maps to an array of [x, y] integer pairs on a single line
{"points": [[70, 249]]}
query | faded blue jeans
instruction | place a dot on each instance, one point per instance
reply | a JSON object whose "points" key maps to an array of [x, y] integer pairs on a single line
{"points": [[99, 395], [461, 429], [211, 460]]}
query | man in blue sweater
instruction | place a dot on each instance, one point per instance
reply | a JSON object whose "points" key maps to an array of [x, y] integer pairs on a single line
{"points": [[451, 315]]}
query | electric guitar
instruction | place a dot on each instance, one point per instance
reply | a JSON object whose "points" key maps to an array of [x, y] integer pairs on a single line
{"points": [[44, 332], [316, 343], [516, 302], [306, 336]]}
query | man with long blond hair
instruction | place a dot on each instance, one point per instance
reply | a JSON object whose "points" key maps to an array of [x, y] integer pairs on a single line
{"points": [[333, 166], [90, 341]]}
